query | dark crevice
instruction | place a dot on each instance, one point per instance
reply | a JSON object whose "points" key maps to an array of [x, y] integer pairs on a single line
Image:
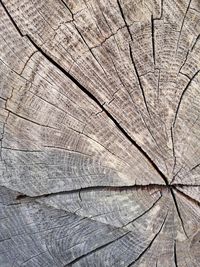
{"points": [[178, 211], [20, 196], [95, 250], [183, 93], [123, 16], [175, 256], [138, 78], [150, 244], [153, 40], [149, 188]]}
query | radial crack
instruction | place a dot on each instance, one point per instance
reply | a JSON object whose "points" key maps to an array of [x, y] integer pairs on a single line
{"points": [[100, 188], [95, 250], [90, 49], [150, 244], [123, 16], [145, 212], [175, 256], [64, 3], [153, 40], [138, 78], [192, 200], [182, 25], [173, 149], [198, 37], [178, 211], [183, 93]]}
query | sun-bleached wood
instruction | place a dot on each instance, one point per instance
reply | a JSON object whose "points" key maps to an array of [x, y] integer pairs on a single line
{"points": [[99, 121]]}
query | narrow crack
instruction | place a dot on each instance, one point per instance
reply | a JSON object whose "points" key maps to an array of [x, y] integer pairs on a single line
{"points": [[29, 120], [186, 57], [145, 212], [138, 78], [65, 4], [124, 19], [178, 211], [94, 250], [90, 49], [198, 37], [150, 244], [30, 57], [183, 93], [175, 256], [153, 39], [173, 150], [180, 32], [189, 198]]}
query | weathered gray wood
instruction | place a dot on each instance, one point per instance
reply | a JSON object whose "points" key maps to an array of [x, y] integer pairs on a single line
{"points": [[99, 121]]}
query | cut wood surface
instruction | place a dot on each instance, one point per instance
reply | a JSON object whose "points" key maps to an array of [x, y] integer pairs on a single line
{"points": [[100, 133]]}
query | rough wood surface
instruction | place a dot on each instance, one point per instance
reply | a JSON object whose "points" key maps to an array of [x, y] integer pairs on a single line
{"points": [[99, 121]]}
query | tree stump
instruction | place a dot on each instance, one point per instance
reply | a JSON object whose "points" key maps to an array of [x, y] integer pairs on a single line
{"points": [[100, 150]]}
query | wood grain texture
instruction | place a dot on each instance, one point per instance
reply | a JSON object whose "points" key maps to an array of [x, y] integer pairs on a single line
{"points": [[99, 122]]}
